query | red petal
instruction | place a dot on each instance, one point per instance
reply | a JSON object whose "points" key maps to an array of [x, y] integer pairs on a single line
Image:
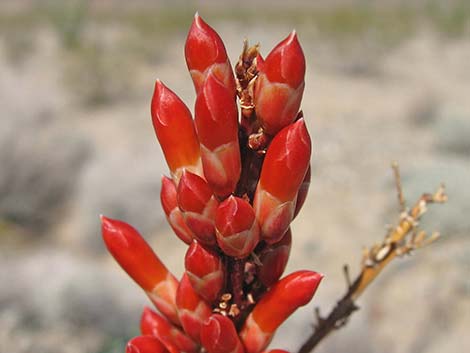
{"points": [[193, 193], [237, 229], [286, 62], [192, 309], [174, 127], [133, 253], [303, 191], [204, 47], [277, 305], [274, 259], [218, 335], [173, 213], [291, 292], [234, 215], [286, 162], [205, 270], [216, 114], [145, 344], [172, 338]]}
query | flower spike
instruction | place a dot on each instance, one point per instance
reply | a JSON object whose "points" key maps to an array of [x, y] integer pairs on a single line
{"points": [[283, 171], [136, 257], [280, 85], [237, 229], [216, 120], [175, 131], [173, 213], [172, 338], [291, 292], [145, 344], [204, 52], [198, 205], [205, 271], [192, 310], [218, 335], [235, 188]]}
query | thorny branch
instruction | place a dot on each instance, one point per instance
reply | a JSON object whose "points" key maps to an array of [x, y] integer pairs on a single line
{"points": [[400, 240]]}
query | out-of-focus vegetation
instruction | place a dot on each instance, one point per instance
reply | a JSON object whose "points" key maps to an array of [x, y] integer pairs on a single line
{"points": [[101, 68], [69, 18]]}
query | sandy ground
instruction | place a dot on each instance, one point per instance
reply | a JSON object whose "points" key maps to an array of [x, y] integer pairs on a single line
{"points": [[65, 161]]}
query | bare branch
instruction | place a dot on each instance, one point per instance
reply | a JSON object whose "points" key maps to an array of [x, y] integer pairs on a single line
{"points": [[400, 240]]}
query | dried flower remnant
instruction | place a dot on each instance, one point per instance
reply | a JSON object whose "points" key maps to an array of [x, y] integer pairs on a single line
{"points": [[237, 180]]}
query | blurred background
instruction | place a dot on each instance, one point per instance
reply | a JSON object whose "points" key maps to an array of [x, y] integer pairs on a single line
{"points": [[386, 80]]}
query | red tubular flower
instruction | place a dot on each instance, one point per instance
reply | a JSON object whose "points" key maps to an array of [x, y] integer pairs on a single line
{"points": [[218, 335], [205, 271], [303, 191], [280, 85], [192, 310], [198, 204], [173, 214], [237, 229], [175, 131], [204, 52], [136, 257], [276, 351], [216, 119], [274, 260], [145, 344], [291, 292], [283, 171], [170, 336]]}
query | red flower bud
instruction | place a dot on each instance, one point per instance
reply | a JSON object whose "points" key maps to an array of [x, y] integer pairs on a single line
{"points": [[280, 85], [170, 336], [192, 310], [216, 119], [145, 344], [205, 271], [175, 131], [274, 259], [237, 229], [283, 171], [173, 214], [204, 52], [291, 292], [198, 205], [136, 257], [218, 335]]}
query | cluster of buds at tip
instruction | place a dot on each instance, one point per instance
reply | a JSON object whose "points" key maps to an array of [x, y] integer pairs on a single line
{"points": [[237, 180]]}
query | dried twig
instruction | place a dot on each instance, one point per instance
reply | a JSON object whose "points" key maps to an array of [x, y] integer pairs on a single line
{"points": [[400, 240]]}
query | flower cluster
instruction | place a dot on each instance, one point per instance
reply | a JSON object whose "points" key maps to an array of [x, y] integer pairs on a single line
{"points": [[238, 179]]}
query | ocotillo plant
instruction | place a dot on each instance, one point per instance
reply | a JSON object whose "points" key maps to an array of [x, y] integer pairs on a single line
{"points": [[239, 175], [237, 181]]}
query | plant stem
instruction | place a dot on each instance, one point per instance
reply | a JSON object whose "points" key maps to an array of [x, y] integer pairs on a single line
{"points": [[396, 243]]}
